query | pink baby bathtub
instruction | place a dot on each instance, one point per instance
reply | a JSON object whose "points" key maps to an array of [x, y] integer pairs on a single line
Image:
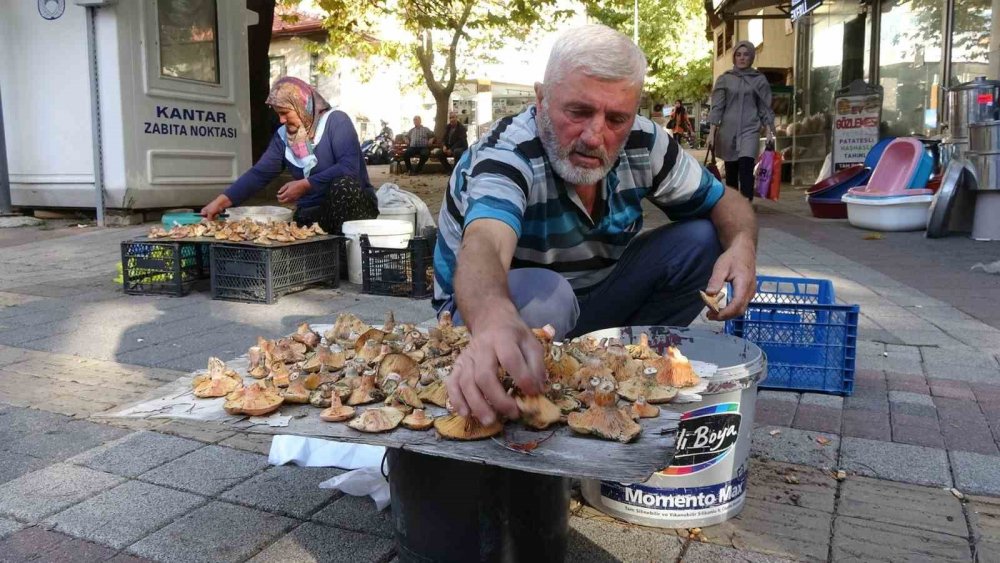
{"points": [[895, 198]]}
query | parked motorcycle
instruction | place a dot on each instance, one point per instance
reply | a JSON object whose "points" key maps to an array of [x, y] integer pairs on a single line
{"points": [[378, 150]]}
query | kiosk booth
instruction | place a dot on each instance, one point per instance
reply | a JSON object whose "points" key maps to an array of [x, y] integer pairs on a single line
{"points": [[139, 104]]}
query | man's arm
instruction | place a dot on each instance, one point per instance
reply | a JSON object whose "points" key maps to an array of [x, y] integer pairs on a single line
{"points": [[499, 336], [736, 225]]}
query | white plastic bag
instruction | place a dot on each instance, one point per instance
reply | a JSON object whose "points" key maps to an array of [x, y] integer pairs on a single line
{"points": [[367, 481], [391, 195], [315, 452]]}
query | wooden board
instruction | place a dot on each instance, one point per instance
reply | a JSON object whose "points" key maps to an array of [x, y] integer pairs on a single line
{"points": [[565, 453]]}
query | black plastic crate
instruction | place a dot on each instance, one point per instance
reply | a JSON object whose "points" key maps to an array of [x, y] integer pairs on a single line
{"points": [[163, 267], [261, 274], [400, 272]]}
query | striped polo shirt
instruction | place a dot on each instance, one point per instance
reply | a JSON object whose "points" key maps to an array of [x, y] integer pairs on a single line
{"points": [[507, 176]]}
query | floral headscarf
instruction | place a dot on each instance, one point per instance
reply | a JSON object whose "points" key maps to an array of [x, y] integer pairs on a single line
{"points": [[295, 95]]}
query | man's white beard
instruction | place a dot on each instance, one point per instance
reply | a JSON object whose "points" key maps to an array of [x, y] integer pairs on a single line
{"points": [[559, 156]]}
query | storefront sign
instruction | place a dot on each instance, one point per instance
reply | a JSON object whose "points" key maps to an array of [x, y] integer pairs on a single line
{"points": [[189, 122], [855, 128], [803, 7]]}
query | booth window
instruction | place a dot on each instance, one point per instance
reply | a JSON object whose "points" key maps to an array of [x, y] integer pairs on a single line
{"points": [[189, 39]]}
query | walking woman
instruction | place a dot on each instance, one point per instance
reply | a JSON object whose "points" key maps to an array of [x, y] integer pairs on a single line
{"points": [[320, 148], [741, 105]]}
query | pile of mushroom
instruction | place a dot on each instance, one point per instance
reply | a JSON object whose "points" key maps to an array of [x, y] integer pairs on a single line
{"points": [[377, 379]]}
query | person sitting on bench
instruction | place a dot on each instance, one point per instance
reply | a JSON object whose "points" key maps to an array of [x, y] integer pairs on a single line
{"points": [[419, 141], [456, 142]]}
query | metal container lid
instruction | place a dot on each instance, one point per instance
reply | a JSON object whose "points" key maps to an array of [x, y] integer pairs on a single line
{"points": [[733, 363], [975, 84], [955, 177], [984, 124]]}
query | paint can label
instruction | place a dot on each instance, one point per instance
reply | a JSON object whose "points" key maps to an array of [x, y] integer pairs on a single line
{"points": [[705, 436], [679, 503]]}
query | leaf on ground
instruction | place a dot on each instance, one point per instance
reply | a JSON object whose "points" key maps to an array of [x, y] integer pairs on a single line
{"points": [[774, 432], [791, 479], [822, 441], [873, 236]]}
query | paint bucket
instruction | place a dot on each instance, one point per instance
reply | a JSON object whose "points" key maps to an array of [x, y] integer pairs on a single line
{"points": [[707, 479]]}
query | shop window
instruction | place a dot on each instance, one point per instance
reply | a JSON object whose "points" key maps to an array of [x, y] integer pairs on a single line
{"points": [[278, 67], [910, 66], [189, 39], [755, 30], [314, 71], [971, 41]]}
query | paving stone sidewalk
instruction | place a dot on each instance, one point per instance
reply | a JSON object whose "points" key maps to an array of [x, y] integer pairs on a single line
{"points": [[924, 417]]}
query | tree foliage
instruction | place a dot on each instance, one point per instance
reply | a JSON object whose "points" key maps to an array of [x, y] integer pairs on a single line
{"points": [[439, 40], [971, 39], [672, 34]]}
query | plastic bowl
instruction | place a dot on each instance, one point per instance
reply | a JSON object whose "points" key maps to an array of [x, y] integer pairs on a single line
{"points": [[852, 175], [260, 214]]}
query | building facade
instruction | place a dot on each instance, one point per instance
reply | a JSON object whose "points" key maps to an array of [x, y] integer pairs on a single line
{"points": [[913, 49]]}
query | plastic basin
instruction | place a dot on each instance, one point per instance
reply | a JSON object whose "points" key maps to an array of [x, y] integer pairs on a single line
{"points": [[382, 233], [260, 214]]}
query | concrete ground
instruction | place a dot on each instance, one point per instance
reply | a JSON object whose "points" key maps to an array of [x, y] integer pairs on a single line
{"points": [[924, 417]]}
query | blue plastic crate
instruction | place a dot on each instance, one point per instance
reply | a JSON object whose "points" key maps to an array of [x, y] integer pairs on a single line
{"points": [[810, 341]]}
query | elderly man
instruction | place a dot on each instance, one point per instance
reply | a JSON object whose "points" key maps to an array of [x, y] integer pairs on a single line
{"points": [[418, 144], [541, 225], [456, 142], [542, 220]]}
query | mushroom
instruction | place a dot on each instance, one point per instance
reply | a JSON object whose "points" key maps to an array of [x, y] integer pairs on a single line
{"points": [[377, 420], [257, 399], [314, 380], [258, 363], [323, 395], [390, 322], [714, 302], [331, 357], [218, 382], [401, 364], [369, 352], [417, 420], [337, 411], [679, 372], [435, 393], [373, 335], [642, 409], [279, 373], [560, 364], [537, 411], [296, 391], [406, 395], [457, 427], [305, 335], [642, 351], [647, 385], [604, 419], [342, 328], [366, 392], [562, 399], [621, 363], [289, 351]]}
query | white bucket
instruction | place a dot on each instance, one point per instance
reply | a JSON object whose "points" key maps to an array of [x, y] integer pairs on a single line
{"points": [[399, 213], [707, 480], [382, 233]]}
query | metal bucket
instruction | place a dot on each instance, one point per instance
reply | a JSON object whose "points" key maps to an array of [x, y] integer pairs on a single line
{"points": [[970, 102], [951, 150], [987, 167], [706, 483], [984, 136]]}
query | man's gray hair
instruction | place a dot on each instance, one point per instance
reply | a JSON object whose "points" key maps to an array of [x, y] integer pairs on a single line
{"points": [[597, 51]]}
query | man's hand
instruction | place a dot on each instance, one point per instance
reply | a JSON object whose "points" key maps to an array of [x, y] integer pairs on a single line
{"points": [[292, 191], [770, 136], [473, 386], [736, 265], [217, 205]]}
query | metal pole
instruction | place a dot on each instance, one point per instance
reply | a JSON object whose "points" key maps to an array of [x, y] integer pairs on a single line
{"points": [[95, 116], [5, 202], [873, 56]]}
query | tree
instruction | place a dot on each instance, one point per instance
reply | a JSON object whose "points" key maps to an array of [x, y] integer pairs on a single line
{"points": [[437, 38], [672, 34]]}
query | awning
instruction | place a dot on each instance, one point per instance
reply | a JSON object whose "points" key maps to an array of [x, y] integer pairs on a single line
{"points": [[725, 9]]}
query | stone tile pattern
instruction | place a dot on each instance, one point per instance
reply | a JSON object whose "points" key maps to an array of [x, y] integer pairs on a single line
{"points": [[911, 409]]}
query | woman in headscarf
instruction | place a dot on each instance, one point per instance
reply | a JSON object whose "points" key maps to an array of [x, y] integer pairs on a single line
{"points": [[741, 105], [320, 148]]}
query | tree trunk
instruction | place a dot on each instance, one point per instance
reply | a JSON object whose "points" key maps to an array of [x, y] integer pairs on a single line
{"points": [[262, 122], [442, 107]]}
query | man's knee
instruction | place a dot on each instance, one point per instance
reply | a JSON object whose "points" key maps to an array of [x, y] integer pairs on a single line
{"points": [[544, 297]]}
